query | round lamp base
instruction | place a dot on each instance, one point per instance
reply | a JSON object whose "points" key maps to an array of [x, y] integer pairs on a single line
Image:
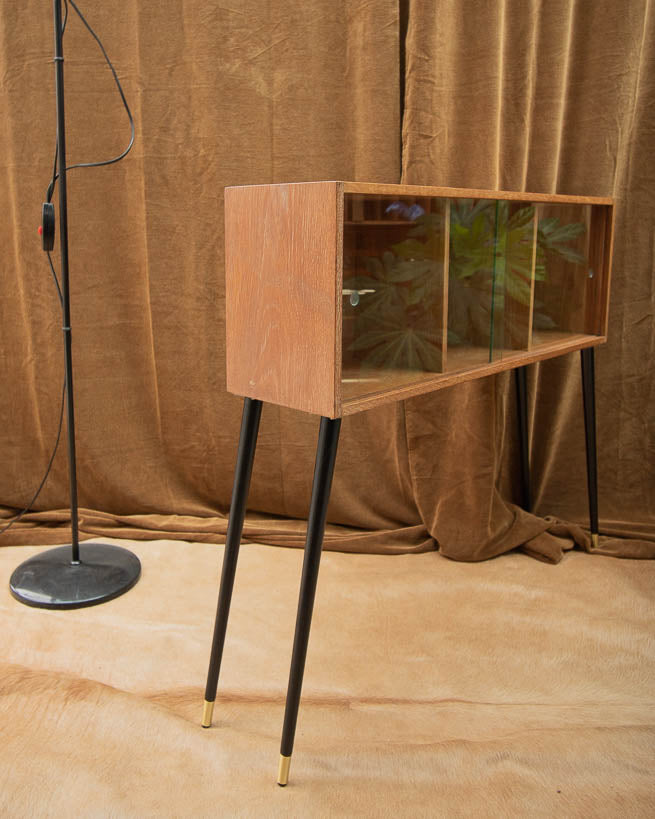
{"points": [[52, 581]]}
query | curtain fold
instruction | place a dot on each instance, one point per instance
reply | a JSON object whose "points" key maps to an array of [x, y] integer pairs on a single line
{"points": [[552, 97], [523, 96], [262, 92]]}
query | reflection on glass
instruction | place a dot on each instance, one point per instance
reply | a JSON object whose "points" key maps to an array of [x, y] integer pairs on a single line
{"points": [[392, 301], [491, 253], [563, 276], [435, 285]]}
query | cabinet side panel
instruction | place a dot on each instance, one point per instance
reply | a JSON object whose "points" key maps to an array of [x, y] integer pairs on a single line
{"points": [[280, 256], [600, 258]]}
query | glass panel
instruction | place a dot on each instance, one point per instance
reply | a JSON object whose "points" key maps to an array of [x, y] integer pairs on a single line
{"points": [[491, 256], [563, 276], [393, 291], [515, 273]]}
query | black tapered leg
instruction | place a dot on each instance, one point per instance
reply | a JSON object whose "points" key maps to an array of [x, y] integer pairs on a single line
{"points": [[326, 454], [524, 442], [589, 403], [252, 410]]}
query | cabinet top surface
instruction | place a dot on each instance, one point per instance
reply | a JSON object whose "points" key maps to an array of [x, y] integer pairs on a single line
{"points": [[425, 190]]}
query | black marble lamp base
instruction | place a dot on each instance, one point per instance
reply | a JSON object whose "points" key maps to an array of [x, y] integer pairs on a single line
{"points": [[52, 580]]}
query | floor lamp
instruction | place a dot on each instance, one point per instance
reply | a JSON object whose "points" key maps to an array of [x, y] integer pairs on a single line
{"points": [[69, 577]]}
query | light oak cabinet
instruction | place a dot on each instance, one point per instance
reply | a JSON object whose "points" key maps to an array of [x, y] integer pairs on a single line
{"points": [[341, 296]]}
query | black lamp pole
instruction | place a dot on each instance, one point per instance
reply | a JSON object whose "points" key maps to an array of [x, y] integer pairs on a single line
{"points": [[61, 578], [63, 240]]}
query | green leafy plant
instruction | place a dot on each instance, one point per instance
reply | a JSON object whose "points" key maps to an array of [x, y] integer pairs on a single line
{"points": [[490, 260]]}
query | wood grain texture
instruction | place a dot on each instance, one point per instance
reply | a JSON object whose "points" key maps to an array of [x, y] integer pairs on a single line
{"points": [[472, 193], [281, 248]]}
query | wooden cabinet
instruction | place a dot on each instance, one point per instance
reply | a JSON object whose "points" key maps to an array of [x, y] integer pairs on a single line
{"points": [[341, 296]]}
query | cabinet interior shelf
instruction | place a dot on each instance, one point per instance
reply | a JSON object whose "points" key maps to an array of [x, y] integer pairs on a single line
{"points": [[407, 384]]}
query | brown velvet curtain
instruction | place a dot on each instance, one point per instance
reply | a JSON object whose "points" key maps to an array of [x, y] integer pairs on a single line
{"points": [[554, 97], [524, 96]]}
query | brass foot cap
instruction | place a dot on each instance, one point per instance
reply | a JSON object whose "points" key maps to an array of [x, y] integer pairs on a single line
{"points": [[283, 771], [594, 540], [207, 712]]}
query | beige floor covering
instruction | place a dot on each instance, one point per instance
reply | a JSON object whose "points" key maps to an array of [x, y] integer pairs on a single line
{"points": [[433, 688]]}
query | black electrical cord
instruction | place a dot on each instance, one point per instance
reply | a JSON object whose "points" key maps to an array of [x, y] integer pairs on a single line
{"points": [[47, 472], [124, 153], [56, 280], [49, 193]]}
